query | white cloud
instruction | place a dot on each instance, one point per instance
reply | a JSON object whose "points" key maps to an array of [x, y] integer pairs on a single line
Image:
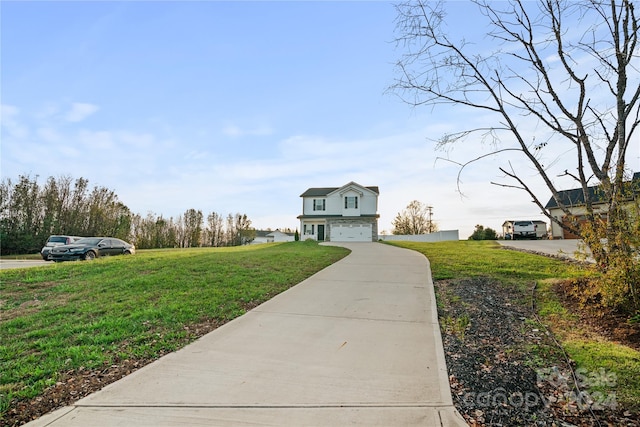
{"points": [[80, 111], [47, 111], [9, 120], [136, 140], [9, 112], [196, 155], [49, 134], [96, 139]]}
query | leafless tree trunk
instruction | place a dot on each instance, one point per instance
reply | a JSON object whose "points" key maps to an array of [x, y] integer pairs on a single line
{"points": [[570, 70], [215, 229]]}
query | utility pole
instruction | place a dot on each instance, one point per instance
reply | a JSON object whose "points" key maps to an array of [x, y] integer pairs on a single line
{"points": [[430, 223]]}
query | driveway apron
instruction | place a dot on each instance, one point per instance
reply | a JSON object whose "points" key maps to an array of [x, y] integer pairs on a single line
{"points": [[358, 343]]}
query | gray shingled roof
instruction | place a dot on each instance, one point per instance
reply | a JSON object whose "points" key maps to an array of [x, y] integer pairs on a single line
{"points": [[316, 192], [323, 191], [575, 196]]}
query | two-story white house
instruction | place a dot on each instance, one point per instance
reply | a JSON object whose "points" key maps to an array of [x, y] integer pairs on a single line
{"points": [[340, 214]]}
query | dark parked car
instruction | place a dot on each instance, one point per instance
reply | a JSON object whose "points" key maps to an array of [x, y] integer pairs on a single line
{"points": [[89, 248], [53, 241]]}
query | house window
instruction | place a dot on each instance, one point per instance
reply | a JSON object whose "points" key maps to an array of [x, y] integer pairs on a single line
{"points": [[319, 204], [351, 202]]}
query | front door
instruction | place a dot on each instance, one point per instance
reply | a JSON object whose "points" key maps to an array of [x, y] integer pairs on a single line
{"points": [[320, 233]]}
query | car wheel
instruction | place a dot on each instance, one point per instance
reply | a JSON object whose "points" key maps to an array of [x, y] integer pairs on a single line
{"points": [[89, 256], [127, 252]]}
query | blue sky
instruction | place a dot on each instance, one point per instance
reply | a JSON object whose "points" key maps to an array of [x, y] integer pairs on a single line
{"points": [[233, 107]]}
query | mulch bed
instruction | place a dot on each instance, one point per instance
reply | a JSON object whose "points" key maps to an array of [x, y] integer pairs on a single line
{"points": [[505, 369]]}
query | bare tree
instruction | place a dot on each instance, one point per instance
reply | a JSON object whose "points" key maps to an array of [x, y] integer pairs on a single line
{"points": [[192, 220], [416, 218], [244, 234], [569, 69], [215, 229]]}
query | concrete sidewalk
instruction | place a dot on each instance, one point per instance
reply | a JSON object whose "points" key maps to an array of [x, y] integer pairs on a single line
{"points": [[356, 344]]}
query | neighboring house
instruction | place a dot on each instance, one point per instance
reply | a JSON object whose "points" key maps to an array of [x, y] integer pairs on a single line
{"points": [[574, 200], [279, 236], [340, 214], [265, 236], [261, 237], [540, 228]]}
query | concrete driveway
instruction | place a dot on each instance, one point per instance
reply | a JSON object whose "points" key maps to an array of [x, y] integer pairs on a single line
{"points": [[356, 344], [564, 248], [12, 263]]}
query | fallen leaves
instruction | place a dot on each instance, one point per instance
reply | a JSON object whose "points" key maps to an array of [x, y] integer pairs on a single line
{"points": [[491, 371]]}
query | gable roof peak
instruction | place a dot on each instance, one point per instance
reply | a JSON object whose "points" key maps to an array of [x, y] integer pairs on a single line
{"points": [[360, 188], [325, 191]]}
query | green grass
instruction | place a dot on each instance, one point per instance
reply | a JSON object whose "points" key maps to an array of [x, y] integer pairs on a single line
{"points": [[87, 315], [470, 258], [456, 325], [606, 366], [594, 356], [68, 316]]}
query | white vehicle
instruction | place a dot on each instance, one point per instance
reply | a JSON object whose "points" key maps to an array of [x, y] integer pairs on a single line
{"points": [[54, 241], [524, 230]]}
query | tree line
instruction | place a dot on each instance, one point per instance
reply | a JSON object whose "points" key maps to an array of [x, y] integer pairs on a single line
{"points": [[30, 213], [191, 230]]}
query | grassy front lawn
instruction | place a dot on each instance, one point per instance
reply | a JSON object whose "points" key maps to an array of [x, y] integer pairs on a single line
{"points": [[89, 315], [600, 363]]}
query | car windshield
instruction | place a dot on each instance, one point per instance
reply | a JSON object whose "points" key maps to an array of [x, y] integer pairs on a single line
{"points": [[58, 239], [88, 241]]}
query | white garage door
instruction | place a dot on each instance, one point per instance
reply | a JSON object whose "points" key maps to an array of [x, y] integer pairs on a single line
{"points": [[351, 233]]}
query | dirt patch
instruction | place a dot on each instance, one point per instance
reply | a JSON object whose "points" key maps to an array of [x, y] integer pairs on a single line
{"points": [[611, 325], [22, 309], [505, 369], [11, 306]]}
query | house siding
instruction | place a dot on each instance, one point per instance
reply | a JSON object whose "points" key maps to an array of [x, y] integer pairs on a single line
{"points": [[557, 232], [574, 201], [336, 212]]}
